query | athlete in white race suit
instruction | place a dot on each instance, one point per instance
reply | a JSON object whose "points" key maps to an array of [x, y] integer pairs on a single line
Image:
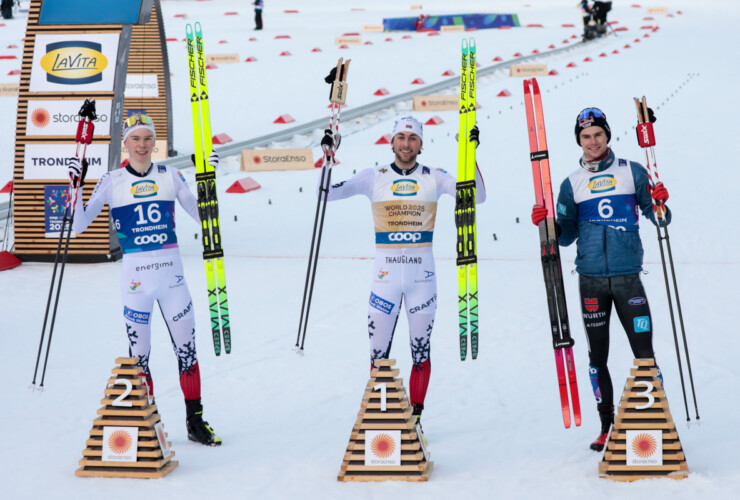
{"points": [[404, 198], [142, 200]]}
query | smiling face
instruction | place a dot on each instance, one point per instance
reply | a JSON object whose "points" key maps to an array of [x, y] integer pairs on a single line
{"points": [[593, 142], [406, 146], [140, 144]]}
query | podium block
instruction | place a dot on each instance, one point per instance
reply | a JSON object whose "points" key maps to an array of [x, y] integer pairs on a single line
{"points": [[127, 438], [385, 444], [643, 442]]}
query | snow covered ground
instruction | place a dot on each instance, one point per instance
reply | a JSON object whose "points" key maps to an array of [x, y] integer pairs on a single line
{"points": [[494, 425]]}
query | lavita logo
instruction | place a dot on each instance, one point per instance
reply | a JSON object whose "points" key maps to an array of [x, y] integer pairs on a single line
{"points": [[74, 62]]}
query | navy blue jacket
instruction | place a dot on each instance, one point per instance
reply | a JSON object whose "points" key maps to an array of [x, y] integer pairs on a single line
{"points": [[605, 248]]}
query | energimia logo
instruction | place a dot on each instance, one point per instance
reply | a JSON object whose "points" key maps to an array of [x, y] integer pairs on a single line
{"points": [[74, 62], [413, 237]]}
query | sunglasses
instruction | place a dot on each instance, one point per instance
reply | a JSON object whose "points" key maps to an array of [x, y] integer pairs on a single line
{"points": [[595, 112], [140, 119]]}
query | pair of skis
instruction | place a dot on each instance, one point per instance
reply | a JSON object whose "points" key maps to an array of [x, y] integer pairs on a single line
{"points": [[467, 261], [646, 140], [337, 97], [550, 254], [85, 130], [205, 176]]}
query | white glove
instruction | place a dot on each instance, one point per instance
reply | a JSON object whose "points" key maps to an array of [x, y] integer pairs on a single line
{"points": [[76, 170], [213, 159]]}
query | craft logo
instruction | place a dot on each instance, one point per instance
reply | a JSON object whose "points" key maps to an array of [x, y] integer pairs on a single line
{"points": [[602, 184], [644, 447], [405, 187], [40, 117], [592, 305], [74, 62], [382, 274], [642, 324], [144, 189]]}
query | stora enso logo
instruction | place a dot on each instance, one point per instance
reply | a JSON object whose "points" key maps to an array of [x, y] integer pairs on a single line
{"points": [[602, 183], [144, 189], [405, 187], [74, 62]]}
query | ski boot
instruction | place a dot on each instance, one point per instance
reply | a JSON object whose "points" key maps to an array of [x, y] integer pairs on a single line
{"points": [[606, 414], [198, 429]]}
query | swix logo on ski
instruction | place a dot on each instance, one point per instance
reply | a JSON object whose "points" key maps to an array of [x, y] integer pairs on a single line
{"points": [[405, 187], [144, 189], [151, 238], [381, 304], [74, 62], [136, 316], [592, 305], [181, 315], [642, 324], [602, 183], [637, 301]]}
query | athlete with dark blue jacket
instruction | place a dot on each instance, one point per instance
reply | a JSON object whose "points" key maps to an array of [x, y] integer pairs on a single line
{"points": [[598, 208]]}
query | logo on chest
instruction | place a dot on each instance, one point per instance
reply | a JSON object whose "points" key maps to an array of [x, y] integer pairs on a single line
{"points": [[602, 184], [144, 189], [405, 187]]}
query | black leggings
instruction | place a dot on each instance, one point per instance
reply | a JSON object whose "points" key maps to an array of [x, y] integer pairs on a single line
{"points": [[628, 297]]}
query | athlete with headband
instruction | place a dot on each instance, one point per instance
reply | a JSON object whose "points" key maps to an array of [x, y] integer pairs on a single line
{"points": [[404, 197], [142, 200], [598, 207]]}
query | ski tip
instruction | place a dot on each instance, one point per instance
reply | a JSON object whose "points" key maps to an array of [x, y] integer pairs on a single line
{"points": [[464, 44], [535, 86], [471, 44], [188, 29]]}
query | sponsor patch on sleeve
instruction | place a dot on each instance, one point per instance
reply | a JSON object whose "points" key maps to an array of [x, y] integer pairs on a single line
{"points": [[642, 324], [622, 162], [562, 210], [181, 176], [136, 316], [442, 170], [161, 168]]}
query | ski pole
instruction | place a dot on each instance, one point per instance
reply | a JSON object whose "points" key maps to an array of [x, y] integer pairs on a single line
{"points": [[646, 139], [85, 129], [338, 86]]}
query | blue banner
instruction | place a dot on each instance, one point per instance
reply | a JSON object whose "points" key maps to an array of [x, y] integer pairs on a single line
{"points": [[89, 11], [477, 21]]}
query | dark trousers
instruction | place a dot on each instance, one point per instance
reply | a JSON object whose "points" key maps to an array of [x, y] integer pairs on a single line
{"points": [[258, 19], [6, 8], [627, 295]]}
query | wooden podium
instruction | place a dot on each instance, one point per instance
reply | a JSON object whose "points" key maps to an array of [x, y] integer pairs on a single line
{"points": [[385, 412], [643, 442], [127, 421]]}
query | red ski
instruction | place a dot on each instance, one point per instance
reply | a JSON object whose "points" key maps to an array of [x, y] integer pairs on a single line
{"points": [[550, 255]]}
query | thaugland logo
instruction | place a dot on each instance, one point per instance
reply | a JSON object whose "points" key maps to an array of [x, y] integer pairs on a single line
{"points": [[405, 187], [602, 184], [74, 62], [144, 189]]}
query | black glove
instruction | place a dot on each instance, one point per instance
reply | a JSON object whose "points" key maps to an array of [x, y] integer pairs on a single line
{"points": [[651, 116], [475, 136], [331, 76], [77, 171], [330, 140]]}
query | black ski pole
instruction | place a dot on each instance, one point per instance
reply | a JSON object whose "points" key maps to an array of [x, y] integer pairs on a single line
{"points": [[85, 129]]}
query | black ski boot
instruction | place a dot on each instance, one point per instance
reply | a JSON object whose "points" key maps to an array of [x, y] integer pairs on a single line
{"points": [[198, 429], [606, 414]]}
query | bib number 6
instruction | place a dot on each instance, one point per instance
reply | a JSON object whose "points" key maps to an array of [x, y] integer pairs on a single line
{"points": [[605, 209]]}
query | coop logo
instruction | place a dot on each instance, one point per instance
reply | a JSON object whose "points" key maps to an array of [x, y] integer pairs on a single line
{"points": [[397, 237], [602, 184], [405, 187], [74, 62], [381, 304], [144, 189], [151, 238]]}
